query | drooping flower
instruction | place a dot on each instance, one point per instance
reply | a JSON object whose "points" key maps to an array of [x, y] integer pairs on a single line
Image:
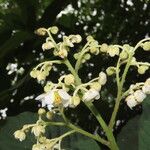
{"points": [[113, 50], [131, 101], [37, 130], [69, 79], [91, 95], [55, 98], [146, 87], [102, 78], [139, 96], [20, 135]]}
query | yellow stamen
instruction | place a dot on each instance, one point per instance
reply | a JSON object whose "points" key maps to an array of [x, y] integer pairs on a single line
{"points": [[57, 98]]}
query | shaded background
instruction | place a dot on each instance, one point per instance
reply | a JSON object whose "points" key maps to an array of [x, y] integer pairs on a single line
{"points": [[111, 21]]}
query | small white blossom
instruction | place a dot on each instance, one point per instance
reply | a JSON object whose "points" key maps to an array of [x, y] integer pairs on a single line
{"points": [[139, 96], [102, 78], [37, 130], [96, 85], [113, 50], [69, 79], [47, 46], [131, 101], [20, 135], [3, 112], [91, 95], [146, 87], [54, 98], [63, 53]]}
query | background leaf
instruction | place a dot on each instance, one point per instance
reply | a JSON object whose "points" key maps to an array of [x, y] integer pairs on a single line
{"points": [[136, 133]]}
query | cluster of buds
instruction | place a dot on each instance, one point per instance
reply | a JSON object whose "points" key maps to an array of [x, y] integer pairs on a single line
{"points": [[136, 97], [61, 49], [41, 71], [37, 129], [58, 94]]}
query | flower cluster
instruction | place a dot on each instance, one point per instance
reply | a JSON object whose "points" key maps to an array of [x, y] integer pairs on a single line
{"points": [[58, 94], [38, 129], [137, 96], [70, 91], [61, 49]]}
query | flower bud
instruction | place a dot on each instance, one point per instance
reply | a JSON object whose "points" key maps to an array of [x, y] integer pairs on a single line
{"points": [[78, 38], [91, 94], [142, 69], [76, 100], [33, 73], [41, 76], [131, 102], [41, 111], [20, 135], [133, 61], [123, 55], [113, 50], [96, 85], [87, 56], [139, 96], [63, 53], [47, 46], [104, 47], [102, 78], [54, 30], [38, 147], [110, 71], [146, 46], [49, 115], [41, 31], [146, 87], [69, 79], [37, 130], [76, 55], [90, 39]]}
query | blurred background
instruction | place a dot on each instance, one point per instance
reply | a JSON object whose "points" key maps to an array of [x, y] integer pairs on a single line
{"points": [[111, 21]]}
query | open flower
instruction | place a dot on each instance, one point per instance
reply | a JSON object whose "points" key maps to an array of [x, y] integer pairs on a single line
{"points": [[91, 95], [38, 130], [20, 135], [139, 96], [146, 87], [131, 101], [54, 98]]}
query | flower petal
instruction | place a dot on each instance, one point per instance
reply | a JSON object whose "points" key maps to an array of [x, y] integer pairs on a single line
{"points": [[63, 94], [91, 94]]}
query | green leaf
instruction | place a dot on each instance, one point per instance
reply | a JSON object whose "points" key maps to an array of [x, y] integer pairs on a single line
{"points": [[144, 127], [14, 42], [128, 137], [136, 133], [7, 141]]}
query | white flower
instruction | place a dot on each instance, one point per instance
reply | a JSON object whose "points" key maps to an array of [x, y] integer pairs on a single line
{"points": [[102, 78], [62, 53], [69, 79], [91, 95], [113, 50], [20, 135], [37, 130], [146, 87], [96, 85], [47, 46], [54, 98], [131, 101], [139, 96]]}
